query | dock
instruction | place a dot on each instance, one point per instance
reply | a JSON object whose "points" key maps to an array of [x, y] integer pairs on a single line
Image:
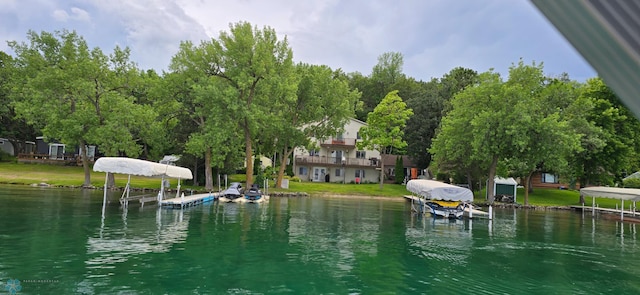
{"points": [[188, 201], [631, 213]]}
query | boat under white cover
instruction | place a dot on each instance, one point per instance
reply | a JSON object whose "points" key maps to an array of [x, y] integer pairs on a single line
{"points": [[121, 165], [440, 191]]}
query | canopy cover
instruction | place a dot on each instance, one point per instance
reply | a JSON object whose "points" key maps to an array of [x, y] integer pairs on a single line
{"points": [[140, 167], [630, 194], [436, 190]]}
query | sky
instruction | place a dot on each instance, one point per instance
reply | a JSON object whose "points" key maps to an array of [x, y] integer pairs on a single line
{"points": [[434, 36]]}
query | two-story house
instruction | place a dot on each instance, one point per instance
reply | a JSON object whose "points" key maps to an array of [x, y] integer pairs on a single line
{"points": [[338, 159]]}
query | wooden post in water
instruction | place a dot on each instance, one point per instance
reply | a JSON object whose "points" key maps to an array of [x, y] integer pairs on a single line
{"points": [[104, 198], [622, 209], [490, 212]]}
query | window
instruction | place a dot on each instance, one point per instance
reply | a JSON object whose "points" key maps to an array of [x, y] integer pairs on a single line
{"points": [[56, 151], [361, 154], [549, 178], [338, 172], [314, 153], [302, 171], [360, 173], [358, 136]]}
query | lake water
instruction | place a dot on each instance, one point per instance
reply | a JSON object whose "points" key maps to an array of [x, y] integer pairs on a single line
{"points": [[54, 241]]}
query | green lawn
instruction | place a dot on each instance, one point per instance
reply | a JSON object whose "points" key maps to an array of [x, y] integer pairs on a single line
{"points": [[16, 173]]}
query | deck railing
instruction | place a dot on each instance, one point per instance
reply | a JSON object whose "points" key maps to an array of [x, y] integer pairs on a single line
{"points": [[333, 161]]}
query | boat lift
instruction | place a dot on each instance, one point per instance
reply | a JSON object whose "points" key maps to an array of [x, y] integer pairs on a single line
{"points": [[129, 166]]}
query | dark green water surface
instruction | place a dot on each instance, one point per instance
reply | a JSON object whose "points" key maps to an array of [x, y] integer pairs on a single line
{"points": [[54, 241]]}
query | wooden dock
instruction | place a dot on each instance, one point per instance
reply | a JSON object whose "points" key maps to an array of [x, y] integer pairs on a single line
{"points": [[606, 210], [191, 200]]}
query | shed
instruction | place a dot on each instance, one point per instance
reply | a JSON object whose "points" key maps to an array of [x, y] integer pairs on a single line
{"points": [[505, 186]]}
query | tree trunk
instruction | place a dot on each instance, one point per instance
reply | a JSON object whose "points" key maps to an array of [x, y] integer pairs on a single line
{"points": [[469, 180], [381, 171], [530, 189], [492, 175], [283, 165], [85, 164], [248, 153], [527, 185], [195, 172], [207, 170]]}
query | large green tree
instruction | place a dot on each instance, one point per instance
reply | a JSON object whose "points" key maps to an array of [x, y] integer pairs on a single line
{"points": [[321, 107], [542, 137], [15, 129], [610, 148], [428, 107], [79, 95], [249, 69], [385, 128], [384, 77]]}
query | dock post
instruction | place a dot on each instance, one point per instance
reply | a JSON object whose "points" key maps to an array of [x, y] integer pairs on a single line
{"points": [[593, 207], [104, 198], [490, 212], [470, 211], [622, 209]]}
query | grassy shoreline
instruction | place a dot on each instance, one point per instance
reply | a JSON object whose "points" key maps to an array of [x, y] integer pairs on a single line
{"points": [[72, 176]]}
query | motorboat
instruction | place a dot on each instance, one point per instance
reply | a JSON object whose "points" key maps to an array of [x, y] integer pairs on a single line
{"points": [[439, 198], [233, 193], [254, 194]]}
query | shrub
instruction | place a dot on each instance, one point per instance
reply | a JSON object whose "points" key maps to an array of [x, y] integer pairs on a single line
{"points": [[295, 179]]}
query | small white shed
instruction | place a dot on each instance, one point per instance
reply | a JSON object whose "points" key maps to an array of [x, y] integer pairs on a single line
{"points": [[505, 186]]}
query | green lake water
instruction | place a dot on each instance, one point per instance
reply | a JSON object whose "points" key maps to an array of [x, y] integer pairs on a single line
{"points": [[54, 241]]}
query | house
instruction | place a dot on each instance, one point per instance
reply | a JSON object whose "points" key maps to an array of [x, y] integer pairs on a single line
{"points": [[550, 180], [338, 159], [411, 170], [53, 152], [14, 147]]}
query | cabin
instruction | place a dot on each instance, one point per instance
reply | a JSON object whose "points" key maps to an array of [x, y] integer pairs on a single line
{"points": [[550, 180], [56, 153], [14, 147]]}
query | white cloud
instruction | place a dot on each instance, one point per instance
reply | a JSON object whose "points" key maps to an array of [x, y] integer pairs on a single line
{"points": [[80, 14], [60, 15], [434, 36]]}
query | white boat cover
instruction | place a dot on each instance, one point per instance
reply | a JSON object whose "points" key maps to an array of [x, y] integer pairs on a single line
{"points": [[436, 190], [131, 166], [630, 194]]}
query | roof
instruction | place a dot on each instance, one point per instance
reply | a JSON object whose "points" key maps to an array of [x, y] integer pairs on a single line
{"points": [[139, 167], [631, 194], [436, 190], [633, 175], [390, 160], [500, 180]]}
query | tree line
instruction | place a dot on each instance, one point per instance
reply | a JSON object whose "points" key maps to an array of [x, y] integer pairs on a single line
{"points": [[240, 94]]}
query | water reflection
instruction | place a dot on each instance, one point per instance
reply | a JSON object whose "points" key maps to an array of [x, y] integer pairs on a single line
{"points": [[439, 238], [117, 242]]}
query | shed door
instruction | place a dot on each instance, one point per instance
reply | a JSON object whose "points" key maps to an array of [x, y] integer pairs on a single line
{"points": [[504, 189]]}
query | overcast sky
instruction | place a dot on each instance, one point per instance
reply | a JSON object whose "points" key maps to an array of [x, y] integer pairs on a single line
{"points": [[433, 36]]}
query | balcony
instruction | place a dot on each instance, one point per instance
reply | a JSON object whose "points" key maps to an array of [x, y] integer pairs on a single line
{"points": [[339, 142], [332, 161]]}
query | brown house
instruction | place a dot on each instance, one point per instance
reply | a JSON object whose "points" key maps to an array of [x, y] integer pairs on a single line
{"points": [[390, 167], [549, 180]]}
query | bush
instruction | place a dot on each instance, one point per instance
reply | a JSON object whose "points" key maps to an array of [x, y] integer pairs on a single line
{"points": [[631, 183], [294, 179], [6, 157]]}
